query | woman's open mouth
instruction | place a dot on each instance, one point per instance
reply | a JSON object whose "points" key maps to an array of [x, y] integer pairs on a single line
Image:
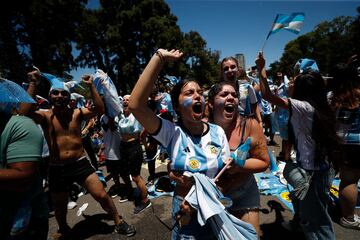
{"points": [[229, 108], [197, 108]]}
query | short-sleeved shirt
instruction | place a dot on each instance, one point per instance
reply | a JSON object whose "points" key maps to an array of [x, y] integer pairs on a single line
{"points": [[247, 97], [112, 139], [21, 141], [205, 154], [301, 119]]}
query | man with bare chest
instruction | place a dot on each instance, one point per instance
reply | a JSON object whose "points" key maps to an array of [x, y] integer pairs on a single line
{"points": [[68, 162]]}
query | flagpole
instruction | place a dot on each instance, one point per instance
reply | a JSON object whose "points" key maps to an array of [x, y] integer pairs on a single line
{"points": [[262, 49], [267, 37]]}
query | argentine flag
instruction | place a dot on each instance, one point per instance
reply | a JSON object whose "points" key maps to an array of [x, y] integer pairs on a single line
{"points": [[292, 23]]}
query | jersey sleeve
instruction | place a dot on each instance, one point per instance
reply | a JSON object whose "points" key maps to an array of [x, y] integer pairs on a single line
{"points": [[165, 132]]}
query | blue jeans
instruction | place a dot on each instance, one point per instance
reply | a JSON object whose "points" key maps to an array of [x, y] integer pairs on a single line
{"points": [[191, 231], [314, 218]]}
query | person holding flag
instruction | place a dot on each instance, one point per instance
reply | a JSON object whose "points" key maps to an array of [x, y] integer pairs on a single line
{"points": [[193, 145], [238, 182], [68, 162], [316, 142]]}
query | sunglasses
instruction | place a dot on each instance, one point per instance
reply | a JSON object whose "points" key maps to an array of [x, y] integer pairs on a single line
{"points": [[227, 68], [63, 93]]}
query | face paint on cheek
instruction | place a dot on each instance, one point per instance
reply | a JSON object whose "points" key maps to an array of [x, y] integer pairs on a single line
{"points": [[187, 102], [219, 102], [231, 71]]}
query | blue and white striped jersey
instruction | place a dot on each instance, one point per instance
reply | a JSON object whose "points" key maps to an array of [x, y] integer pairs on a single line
{"points": [[205, 154]]}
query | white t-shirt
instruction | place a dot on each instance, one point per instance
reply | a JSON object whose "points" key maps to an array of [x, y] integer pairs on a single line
{"points": [[247, 97], [302, 117], [111, 140]]}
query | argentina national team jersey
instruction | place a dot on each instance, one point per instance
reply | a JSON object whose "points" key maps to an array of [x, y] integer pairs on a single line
{"points": [[204, 154]]}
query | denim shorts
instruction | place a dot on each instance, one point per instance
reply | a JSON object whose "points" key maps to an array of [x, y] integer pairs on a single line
{"points": [[191, 231], [245, 197]]}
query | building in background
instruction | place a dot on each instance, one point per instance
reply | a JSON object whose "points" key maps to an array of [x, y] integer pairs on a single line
{"points": [[241, 60]]}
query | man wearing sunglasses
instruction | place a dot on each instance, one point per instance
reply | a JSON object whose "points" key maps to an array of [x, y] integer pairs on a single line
{"points": [[68, 162]]}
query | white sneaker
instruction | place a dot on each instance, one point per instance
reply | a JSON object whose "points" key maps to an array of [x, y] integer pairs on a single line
{"points": [[71, 205], [355, 224], [82, 209]]}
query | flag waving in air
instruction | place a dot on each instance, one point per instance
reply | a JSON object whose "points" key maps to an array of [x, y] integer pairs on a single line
{"points": [[292, 23]]}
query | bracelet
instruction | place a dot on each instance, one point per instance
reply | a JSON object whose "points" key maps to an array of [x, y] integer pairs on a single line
{"points": [[160, 55]]}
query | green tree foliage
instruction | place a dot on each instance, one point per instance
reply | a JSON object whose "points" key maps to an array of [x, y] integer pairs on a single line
{"points": [[121, 36], [329, 43], [38, 33], [13, 59]]}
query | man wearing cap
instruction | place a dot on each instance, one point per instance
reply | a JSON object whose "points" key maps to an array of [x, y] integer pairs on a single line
{"points": [[62, 128]]}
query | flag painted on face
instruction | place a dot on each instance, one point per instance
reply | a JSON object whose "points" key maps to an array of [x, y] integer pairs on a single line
{"points": [[292, 23]]}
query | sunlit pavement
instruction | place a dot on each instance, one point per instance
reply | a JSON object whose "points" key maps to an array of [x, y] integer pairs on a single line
{"points": [[95, 224]]}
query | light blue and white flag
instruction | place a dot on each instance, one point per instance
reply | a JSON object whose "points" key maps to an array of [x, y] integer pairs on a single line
{"points": [[59, 83], [292, 23], [104, 85], [204, 197]]}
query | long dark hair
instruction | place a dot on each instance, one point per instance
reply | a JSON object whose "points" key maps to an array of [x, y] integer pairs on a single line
{"points": [[310, 87], [175, 93]]}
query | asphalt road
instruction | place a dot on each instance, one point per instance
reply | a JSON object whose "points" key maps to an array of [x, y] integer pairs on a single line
{"points": [[95, 224]]}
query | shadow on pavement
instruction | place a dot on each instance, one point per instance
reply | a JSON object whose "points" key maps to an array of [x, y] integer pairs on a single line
{"points": [[275, 230], [90, 226]]}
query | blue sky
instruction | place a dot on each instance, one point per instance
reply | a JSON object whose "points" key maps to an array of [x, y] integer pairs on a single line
{"points": [[238, 26]]}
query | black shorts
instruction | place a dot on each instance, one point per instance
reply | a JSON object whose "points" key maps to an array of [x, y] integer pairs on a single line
{"points": [[61, 176], [113, 166], [131, 157]]}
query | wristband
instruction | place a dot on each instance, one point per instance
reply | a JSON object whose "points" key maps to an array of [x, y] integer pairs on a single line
{"points": [[160, 55]]}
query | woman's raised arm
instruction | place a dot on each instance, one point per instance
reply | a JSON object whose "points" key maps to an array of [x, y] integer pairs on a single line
{"points": [[144, 86]]}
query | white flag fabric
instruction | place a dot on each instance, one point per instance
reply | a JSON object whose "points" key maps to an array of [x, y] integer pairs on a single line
{"points": [[204, 197], [292, 23]]}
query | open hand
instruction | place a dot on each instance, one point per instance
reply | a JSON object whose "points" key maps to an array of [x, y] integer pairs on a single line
{"points": [[169, 56]]}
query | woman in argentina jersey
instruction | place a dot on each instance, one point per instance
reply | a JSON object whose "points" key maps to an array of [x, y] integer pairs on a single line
{"points": [[238, 182], [193, 145]]}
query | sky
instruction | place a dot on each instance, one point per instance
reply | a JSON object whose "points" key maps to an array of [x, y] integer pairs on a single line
{"points": [[240, 26]]}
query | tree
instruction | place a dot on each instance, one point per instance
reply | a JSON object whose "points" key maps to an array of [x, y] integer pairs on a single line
{"points": [[38, 33], [329, 44]]}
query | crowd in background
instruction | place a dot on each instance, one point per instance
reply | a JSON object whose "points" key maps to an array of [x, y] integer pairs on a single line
{"points": [[197, 129]]}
